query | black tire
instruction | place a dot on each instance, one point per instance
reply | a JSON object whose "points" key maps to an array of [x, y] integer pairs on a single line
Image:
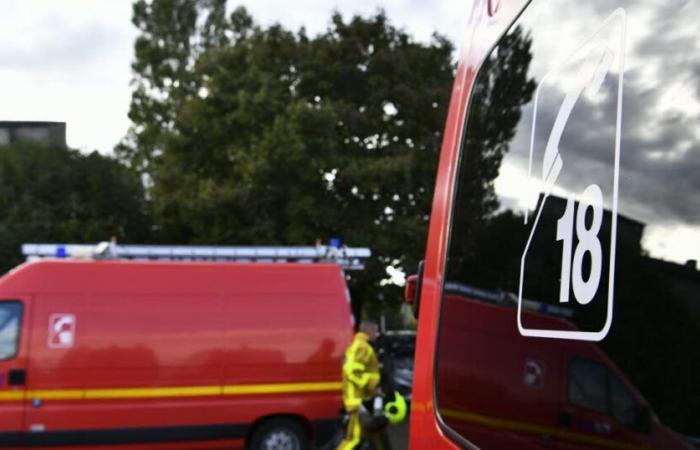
{"points": [[280, 434]]}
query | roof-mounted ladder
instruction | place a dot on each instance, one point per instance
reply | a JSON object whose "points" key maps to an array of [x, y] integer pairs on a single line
{"points": [[350, 258]]}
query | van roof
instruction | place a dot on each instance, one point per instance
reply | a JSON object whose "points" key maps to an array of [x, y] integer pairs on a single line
{"points": [[171, 277]]}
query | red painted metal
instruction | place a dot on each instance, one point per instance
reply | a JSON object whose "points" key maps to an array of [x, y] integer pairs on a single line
{"points": [[485, 27], [482, 30], [153, 325]]}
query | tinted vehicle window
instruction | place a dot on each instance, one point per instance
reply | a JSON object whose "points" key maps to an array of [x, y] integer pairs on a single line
{"points": [[623, 406], [575, 233], [10, 320], [588, 385]]}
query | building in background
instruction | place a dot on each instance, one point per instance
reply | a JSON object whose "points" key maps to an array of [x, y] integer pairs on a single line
{"points": [[50, 133]]}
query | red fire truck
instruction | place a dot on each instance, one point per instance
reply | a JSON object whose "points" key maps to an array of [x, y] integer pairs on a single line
{"points": [[185, 347], [558, 301]]}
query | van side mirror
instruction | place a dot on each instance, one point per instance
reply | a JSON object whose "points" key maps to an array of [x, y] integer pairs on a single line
{"points": [[412, 289], [409, 292], [642, 419]]}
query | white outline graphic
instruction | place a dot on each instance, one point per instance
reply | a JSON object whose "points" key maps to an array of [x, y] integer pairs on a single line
{"points": [[553, 164]]}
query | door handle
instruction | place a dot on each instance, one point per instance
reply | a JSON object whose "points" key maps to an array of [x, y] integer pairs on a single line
{"points": [[412, 290], [16, 377]]}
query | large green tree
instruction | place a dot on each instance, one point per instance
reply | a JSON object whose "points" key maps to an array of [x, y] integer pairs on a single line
{"points": [[264, 136], [55, 194]]}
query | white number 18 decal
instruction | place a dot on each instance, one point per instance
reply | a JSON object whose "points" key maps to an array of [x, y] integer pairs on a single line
{"points": [[588, 242]]}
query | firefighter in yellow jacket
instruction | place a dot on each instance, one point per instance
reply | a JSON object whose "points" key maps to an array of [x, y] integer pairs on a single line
{"points": [[361, 377]]}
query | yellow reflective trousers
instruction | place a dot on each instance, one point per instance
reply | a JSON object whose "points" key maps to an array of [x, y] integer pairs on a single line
{"points": [[354, 435]]}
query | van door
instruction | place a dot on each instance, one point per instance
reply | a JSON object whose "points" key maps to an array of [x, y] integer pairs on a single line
{"points": [[568, 197], [13, 360]]}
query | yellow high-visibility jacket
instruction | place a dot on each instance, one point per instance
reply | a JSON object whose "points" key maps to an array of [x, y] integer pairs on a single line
{"points": [[360, 372]]}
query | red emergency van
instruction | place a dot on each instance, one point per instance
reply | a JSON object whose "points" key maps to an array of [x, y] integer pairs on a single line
{"points": [[567, 180], [526, 390], [183, 354]]}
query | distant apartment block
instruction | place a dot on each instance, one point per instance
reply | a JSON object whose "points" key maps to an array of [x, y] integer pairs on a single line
{"points": [[52, 133]]}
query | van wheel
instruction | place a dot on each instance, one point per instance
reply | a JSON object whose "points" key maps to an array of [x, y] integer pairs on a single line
{"points": [[280, 434]]}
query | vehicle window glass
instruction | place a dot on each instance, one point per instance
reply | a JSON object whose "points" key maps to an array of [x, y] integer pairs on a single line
{"points": [[623, 406], [587, 385], [10, 319], [575, 232]]}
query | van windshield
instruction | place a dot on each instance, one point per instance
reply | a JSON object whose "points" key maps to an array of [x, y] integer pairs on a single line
{"points": [[10, 315]]}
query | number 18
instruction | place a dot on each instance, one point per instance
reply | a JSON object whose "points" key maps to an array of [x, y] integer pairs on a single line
{"points": [[588, 242]]}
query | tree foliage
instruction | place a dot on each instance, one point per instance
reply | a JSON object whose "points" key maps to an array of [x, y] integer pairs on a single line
{"points": [[54, 194], [500, 91], [265, 136]]}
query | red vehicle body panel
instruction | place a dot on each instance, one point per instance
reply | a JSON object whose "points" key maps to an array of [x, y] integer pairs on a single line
{"points": [[484, 30], [489, 19], [177, 344]]}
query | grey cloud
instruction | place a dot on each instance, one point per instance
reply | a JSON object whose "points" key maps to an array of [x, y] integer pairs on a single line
{"points": [[660, 152], [656, 172], [65, 46]]}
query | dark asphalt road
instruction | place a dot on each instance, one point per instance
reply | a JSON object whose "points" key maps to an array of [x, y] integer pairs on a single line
{"points": [[399, 436]]}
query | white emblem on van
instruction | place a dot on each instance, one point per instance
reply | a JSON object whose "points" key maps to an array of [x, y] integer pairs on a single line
{"points": [[534, 373], [61, 330], [584, 72]]}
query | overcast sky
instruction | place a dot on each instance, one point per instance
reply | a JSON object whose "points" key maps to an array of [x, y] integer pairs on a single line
{"points": [[660, 110], [69, 60]]}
